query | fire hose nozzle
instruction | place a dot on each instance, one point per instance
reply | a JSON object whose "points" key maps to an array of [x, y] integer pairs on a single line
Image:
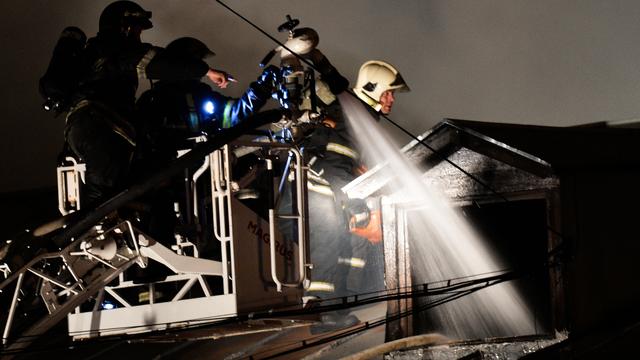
{"points": [[288, 25]]}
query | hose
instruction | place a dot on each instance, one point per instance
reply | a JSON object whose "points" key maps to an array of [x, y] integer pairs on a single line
{"points": [[409, 342]]}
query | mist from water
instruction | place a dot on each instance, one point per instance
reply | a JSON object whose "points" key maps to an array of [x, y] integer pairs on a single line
{"points": [[442, 244]]}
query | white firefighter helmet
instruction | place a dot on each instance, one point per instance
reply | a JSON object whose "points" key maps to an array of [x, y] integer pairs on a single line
{"points": [[376, 77]]}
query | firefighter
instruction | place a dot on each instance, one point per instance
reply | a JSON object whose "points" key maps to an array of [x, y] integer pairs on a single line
{"points": [[338, 162], [98, 124], [173, 111], [376, 85], [340, 258], [328, 240]]}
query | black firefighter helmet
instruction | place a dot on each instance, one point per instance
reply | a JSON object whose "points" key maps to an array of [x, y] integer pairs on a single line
{"points": [[118, 16], [190, 47]]}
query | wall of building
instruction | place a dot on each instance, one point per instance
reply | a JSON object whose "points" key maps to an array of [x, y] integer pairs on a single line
{"points": [[600, 226]]}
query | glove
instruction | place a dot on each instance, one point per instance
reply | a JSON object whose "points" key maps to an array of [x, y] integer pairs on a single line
{"points": [[253, 99], [269, 75], [363, 221], [357, 213], [266, 82], [329, 74], [373, 230]]}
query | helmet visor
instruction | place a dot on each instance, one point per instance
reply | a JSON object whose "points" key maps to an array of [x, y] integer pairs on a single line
{"points": [[141, 18], [399, 84]]}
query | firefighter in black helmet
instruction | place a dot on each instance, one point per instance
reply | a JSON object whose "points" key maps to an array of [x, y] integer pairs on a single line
{"points": [[98, 125], [125, 17], [177, 109]]}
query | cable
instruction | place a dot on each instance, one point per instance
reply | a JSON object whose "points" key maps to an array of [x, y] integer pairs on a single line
{"points": [[413, 341]]}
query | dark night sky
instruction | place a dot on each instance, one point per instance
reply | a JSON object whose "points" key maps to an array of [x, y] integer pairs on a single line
{"points": [[543, 62]]}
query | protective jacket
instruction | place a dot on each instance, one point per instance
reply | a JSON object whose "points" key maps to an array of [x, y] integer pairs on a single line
{"points": [[331, 144]]}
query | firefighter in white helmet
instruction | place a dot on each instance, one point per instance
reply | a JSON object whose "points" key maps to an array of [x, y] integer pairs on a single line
{"points": [[376, 86], [335, 252]]}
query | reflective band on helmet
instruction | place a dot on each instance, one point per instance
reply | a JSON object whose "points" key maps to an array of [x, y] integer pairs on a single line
{"points": [[141, 68], [321, 286], [343, 150], [368, 99], [138, 14]]}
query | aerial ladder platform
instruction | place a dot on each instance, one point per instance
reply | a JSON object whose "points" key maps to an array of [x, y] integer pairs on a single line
{"points": [[92, 280]]}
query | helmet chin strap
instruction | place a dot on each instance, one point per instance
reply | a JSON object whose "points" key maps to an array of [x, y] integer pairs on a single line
{"points": [[368, 99]]}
